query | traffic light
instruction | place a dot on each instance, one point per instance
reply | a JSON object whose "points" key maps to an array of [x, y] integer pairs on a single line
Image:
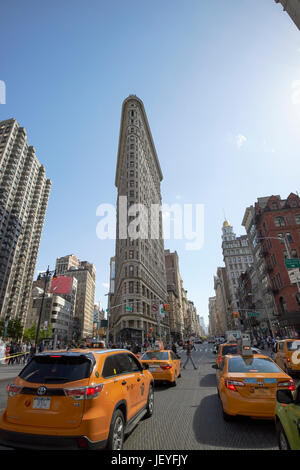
{"points": [[236, 315], [166, 307]]}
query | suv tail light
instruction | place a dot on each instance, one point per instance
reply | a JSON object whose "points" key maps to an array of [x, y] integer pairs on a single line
{"points": [[232, 384], [166, 367], [84, 393], [288, 383], [13, 389]]}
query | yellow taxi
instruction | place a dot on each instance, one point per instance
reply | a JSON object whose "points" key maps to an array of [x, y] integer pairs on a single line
{"points": [[287, 355], [163, 364], [225, 348], [247, 385], [77, 399]]}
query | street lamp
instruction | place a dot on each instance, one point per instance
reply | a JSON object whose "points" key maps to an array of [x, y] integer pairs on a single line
{"points": [[45, 276]]}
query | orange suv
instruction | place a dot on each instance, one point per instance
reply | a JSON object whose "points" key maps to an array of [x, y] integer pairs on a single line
{"points": [[78, 399]]}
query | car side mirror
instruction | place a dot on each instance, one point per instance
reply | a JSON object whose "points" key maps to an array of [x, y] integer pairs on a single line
{"points": [[146, 366], [214, 366], [285, 397]]}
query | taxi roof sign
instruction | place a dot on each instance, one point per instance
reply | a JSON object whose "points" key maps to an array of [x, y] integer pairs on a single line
{"points": [[244, 347]]}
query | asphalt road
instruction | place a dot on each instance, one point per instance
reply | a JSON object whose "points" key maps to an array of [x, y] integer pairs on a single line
{"points": [[189, 416]]}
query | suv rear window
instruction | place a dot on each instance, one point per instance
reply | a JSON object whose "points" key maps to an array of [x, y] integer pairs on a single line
{"points": [[57, 369]]}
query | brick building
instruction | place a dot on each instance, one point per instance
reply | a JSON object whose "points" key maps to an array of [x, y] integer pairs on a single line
{"points": [[278, 229]]}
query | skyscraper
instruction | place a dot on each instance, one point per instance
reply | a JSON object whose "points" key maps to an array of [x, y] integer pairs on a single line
{"points": [[85, 274], [237, 257], [140, 277], [292, 7], [24, 193]]}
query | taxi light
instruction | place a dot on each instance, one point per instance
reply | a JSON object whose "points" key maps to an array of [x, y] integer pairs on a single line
{"points": [[84, 393], [288, 383], [220, 359], [13, 390], [166, 367], [231, 384]]}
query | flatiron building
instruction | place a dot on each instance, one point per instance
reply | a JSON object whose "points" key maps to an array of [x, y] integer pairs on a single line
{"points": [[140, 276]]}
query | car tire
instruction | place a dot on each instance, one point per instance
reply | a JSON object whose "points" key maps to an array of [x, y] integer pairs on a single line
{"points": [[174, 383], [150, 402], [283, 443], [116, 433]]}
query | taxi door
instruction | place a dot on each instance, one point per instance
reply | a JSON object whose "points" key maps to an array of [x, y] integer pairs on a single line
{"points": [[128, 381], [141, 386], [293, 423]]}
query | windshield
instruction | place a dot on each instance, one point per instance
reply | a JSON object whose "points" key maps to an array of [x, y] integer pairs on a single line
{"points": [[293, 345], [56, 369], [252, 364], [156, 355]]}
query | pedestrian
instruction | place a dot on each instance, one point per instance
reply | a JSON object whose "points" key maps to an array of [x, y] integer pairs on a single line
{"points": [[11, 354], [189, 348], [174, 348]]}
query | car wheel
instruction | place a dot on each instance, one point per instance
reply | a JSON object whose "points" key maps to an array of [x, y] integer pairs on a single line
{"points": [[283, 443], [173, 384], [116, 433], [150, 403]]}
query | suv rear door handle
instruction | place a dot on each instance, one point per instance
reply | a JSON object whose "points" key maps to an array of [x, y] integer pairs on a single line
{"points": [[124, 382], [139, 379]]}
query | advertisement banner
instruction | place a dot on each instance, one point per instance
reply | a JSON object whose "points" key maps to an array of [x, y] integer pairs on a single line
{"points": [[61, 285]]}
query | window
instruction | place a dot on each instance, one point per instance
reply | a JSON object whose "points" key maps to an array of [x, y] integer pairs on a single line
{"points": [[279, 221], [274, 205], [289, 237], [297, 219], [279, 281], [262, 365]]}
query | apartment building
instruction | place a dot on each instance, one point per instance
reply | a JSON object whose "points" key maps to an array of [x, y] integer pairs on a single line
{"points": [[24, 193]]}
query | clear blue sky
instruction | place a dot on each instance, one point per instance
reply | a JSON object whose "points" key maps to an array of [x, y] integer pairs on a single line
{"points": [[207, 72]]}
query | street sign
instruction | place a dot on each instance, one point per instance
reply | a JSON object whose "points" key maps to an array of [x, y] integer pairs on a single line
{"points": [[104, 323], [129, 309], [253, 314], [294, 275], [292, 263]]}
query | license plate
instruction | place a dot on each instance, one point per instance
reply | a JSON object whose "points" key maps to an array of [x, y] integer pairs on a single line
{"points": [[41, 403]]}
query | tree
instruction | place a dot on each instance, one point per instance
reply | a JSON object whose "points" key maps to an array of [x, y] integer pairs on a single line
{"points": [[14, 329], [30, 333]]}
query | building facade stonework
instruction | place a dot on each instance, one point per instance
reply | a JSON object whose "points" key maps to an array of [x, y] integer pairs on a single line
{"points": [[140, 277]]}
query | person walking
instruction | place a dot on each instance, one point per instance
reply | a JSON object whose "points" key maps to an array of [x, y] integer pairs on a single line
{"points": [[189, 348]]}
